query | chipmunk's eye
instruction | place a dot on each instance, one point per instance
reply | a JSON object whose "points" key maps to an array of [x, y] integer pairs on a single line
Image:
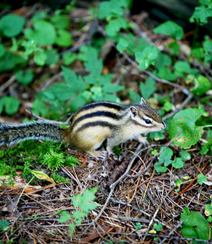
{"points": [[148, 121]]}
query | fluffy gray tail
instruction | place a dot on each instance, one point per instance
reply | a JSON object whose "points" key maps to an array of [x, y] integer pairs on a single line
{"points": [[10, 134]]}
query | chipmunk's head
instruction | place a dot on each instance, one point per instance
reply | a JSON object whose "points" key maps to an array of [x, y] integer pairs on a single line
{"points": [[146, 117]]}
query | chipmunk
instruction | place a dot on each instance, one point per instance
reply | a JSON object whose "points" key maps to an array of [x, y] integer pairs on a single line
{"points": [[91, 125]]}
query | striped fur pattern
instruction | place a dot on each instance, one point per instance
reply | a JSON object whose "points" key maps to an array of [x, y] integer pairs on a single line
{"points": [[10, 134], [91, 125]]}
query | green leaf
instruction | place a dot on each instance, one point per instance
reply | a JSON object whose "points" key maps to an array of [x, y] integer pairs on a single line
{"points": [[147, 89], [10, 105], [147, 57], [93, 64], [159, 168], [170, 28], [2, 50], [4, 224], [25, 78], [11, 25], [177, 163], [61, 91], [184, 122], [65, 216], [122, 44], [162, 60], [158, 226], [185, 155], [134, 97], [9, 61], [178, 182], [168, 106], [173, 48], [69, 58], [157, 135], [202, 84], [43, 33], [77, 102], [108, 87], [52, 56], [39, 107], [109, 9], [201, 14], [198, 53], [208, 209], [60, 21], [201, 178], [181, 67], [166, 73], [63, 38], [110, 98], [40, 58], [194, 225], [115, 25], [75, 82]]}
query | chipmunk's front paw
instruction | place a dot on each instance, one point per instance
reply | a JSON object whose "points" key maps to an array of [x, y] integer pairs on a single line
{"points": [[143, 140], [100, 155]]}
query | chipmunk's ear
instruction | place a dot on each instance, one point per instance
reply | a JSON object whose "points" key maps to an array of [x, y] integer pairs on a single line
{"points": [[134, 112], [142, 101]]}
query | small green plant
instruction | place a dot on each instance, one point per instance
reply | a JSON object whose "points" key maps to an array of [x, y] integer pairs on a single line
{"points": [[30, 153], [195, 226], [84, 203], [138, 226], [4, 224], [77, 90], [165, 159], [201, 178]]}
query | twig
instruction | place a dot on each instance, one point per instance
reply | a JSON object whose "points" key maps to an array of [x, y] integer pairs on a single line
{"points": [[190, 96], [7, 84], [156, 212], [50, 121]]}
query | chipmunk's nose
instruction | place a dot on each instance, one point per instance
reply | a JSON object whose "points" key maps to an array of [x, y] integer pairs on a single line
{"points": [[163, 126]]}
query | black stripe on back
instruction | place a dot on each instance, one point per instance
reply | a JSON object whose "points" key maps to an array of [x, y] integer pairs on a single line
{"points": [[102, 104], [93, 124], [97, 114]]}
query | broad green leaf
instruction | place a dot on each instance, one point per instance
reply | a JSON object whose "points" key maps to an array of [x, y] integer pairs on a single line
{"points": [[60, 21], [194, 225], [65, 216], [63, 38], [115, 25], [69, 58], [43, 33], [168, 106], [166, 73], [158, 226], [177, 163], [108, 87], [61, 91], [157, 135], [52, 56], [111, 98], [93, 64], [201, 178], [2, 50], [122, 44], [201, 84], [134, 97], [75, 82], [109, 9], [170, 28], [11, 25], [201, 14], [147, 57], [24, 78], [9, 61], [184, 122], [147, 89], [40, 58], [162, 60], [185, 155], [10, 105], [77, 102], [4, 225], [159, 168], [181, 67], [39, 107], [198, 53]]}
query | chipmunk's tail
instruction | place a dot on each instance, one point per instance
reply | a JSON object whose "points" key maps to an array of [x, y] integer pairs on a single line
{"points": [[10, 134]]}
